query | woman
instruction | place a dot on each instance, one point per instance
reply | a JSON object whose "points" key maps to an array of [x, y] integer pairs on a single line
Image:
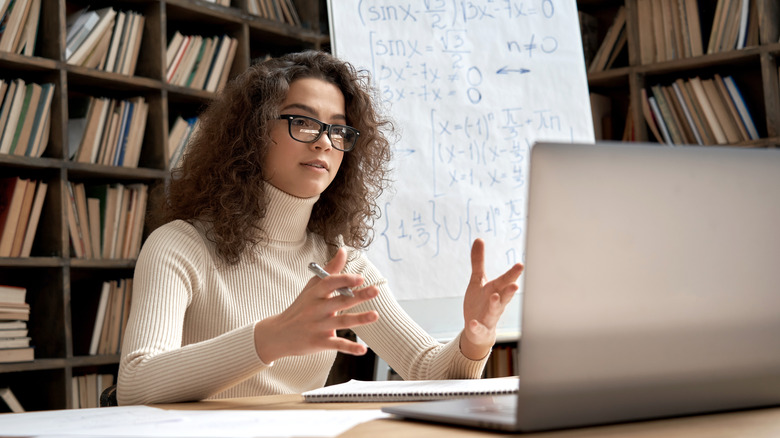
{"points": [[284, 170]]}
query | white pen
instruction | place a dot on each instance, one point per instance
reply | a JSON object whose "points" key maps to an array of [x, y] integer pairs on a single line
{"points": [[319, 272]]}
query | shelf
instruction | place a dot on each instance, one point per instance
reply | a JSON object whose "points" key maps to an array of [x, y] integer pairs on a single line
{"points": [[62, 290]]}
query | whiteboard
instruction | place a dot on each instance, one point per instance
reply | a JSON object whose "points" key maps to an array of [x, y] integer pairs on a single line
{"points": [[470, 86]]}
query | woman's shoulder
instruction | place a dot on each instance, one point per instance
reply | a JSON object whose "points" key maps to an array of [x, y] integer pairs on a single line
{"points": [[177, 229], [176, 236]]}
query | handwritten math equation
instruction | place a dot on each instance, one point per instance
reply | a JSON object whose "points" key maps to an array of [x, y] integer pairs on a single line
{"points": [[456, 75]]}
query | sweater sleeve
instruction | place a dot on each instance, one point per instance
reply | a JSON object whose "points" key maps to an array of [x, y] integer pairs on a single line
{"points": [[155, 367], [401, 342]]}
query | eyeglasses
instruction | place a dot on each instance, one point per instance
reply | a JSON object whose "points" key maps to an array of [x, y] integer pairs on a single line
{"points": [[308, 130]]}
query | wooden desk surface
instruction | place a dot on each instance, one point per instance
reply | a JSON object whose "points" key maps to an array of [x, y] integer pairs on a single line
{"points": [[753, 423]]}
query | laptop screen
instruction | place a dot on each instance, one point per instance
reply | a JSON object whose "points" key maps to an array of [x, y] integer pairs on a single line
{"points": [[652, 284]]}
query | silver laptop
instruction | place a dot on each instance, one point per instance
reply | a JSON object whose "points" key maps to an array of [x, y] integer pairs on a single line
{"points": [[652, 289]]}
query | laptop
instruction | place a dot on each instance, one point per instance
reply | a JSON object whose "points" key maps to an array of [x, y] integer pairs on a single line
{"points": [[651, 290]]}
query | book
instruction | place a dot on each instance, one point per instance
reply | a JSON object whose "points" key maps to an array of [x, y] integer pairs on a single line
{"points": [[77, 240], [39, 135], [732, 108], [10, 399], [177, 58], [223, 78], [707, 110], [116, 36], [666, 114], [739, 102], [10, 211], [79, 25], [15, 315], [12, 325], [768, 21], [411, 390], [13, 333], [26, 117], [106, 20], [647, 112], [96, 56], [721, 111], [24, 354], [99, 318], [35, 215], [133, 48], [82, 217], [20, 342], [667, 139], [12, 294], [24, 218], [12, 118], [30, 31], [14, 24]]}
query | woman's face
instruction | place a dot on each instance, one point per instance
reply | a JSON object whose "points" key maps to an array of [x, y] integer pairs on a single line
{"points": [[301, 169]]}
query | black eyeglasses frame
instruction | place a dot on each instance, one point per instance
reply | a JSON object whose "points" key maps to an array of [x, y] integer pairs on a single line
{"points": [[324, 127]]}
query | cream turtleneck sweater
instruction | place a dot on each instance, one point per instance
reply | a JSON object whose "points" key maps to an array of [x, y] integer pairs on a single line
{"points": [[190, 335]]}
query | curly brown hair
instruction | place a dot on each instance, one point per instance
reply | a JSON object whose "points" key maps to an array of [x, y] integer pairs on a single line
{"points": [[221, 179]]}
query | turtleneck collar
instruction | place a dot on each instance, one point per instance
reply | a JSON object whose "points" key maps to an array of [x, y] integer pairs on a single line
{"points": [[287, 216]]}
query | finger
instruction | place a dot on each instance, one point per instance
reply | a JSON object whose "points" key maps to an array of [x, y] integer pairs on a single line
{"points": [[507, 292], [348, 347], [478, 259], [350, 320], [337, 263], [477, 328], [339, 303], [507, 279], [330, 283]]}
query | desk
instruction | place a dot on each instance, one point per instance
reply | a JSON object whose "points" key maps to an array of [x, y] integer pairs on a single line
{"points": [[754, 423]]}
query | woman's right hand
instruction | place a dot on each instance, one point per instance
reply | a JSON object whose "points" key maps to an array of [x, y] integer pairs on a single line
{"points": [[309, 325]]}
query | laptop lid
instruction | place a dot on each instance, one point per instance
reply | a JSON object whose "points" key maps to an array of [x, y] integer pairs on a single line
{"points": [[652, 285]]}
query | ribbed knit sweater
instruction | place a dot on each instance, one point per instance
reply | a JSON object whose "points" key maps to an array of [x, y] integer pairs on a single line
{"points": [[190, 334]]}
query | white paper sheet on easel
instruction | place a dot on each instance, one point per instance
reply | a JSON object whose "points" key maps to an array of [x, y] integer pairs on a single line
{"points": [[471, 86]]}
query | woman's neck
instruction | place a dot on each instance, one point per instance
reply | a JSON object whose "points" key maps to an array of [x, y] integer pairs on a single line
{"points": [[287, 216]]}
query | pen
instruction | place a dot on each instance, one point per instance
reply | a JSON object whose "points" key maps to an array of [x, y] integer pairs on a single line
{"points": [[319, 272]]}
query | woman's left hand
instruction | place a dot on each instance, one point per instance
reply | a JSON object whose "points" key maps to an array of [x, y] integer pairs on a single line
{"points": [[484, 303]]}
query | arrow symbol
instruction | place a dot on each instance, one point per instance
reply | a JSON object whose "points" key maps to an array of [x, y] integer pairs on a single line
{"points": [[506, 70]]}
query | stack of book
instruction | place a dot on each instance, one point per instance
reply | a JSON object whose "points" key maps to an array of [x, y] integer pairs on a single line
{"points": [[178, 138], [615, 41], [107, 131], [19, 29], [14, 314], [699, 111], [111, 319], [199, 62], [21, 203], [735, 26], [668, 29], [87, 389], [105, 39], [106, 221], [25, 113], [277, 10]]}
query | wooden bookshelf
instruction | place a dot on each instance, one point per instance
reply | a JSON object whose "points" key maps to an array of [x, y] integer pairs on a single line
{"points": [[62, 290], [754, 68]]}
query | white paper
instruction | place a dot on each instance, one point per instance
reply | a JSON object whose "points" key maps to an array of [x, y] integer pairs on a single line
{"points": [[471, 86], [142, 421]]}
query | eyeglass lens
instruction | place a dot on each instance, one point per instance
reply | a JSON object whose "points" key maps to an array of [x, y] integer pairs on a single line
{"points": [[308, 130]]}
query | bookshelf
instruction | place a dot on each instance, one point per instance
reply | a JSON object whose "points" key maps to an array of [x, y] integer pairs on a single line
{"points": [[64, 291], [754, 68]]}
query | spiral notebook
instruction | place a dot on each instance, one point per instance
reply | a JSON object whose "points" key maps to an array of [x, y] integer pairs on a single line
{"points": [[411, 390]]}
